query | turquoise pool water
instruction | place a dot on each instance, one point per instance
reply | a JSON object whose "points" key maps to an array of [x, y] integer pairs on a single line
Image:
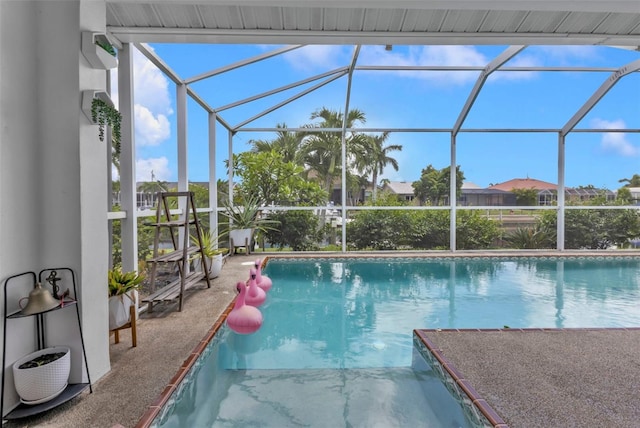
{"points": [[336, 345]]}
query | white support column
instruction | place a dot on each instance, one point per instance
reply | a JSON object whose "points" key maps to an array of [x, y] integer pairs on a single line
{"points": [[230, 173], [452, 195], [108, 159], [129, 225], [183, 170], [561, 199], [345, 118], [213, 184]]}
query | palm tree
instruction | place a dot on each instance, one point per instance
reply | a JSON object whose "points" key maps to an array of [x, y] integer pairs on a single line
{"points": [[153, 186], [324, 149], [631, 182], [287, 143], [375, 157]]}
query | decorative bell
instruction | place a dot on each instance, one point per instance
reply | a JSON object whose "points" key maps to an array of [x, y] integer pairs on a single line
{"points": [[39, 300]]}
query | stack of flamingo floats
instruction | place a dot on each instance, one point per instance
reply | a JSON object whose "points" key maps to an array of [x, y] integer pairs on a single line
{"points": [[245, 317]]}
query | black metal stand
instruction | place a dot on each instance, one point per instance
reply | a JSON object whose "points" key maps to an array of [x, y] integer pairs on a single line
{"points": [[72, 390]]}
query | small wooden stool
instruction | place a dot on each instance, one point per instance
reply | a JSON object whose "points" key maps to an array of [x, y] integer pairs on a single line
{"points": [[131, 324]]}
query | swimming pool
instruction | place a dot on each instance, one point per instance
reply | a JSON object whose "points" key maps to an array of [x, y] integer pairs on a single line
{"points": [[336, 345]]}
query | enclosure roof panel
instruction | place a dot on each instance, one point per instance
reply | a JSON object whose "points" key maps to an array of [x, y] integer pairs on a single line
{"points": [[587, 22]]}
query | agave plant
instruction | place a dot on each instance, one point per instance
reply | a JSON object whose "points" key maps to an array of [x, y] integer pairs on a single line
{"points": [[123, 282], [210, 241], [247, 216], [530, 238]]}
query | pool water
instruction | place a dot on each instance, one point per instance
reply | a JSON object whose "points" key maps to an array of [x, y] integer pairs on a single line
{"points": [[336, 348]]}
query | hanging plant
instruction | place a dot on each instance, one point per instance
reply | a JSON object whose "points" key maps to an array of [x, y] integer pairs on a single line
{"points": [[104, 114]]}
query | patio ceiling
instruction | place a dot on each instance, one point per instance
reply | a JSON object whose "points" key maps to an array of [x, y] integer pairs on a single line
{"points": [[399, 22]]}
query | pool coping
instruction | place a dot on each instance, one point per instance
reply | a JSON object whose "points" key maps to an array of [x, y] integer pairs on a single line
{"points": [[154, 409]]}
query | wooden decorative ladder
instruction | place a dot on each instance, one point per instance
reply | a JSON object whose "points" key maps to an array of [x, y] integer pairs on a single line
{"points": [[181, 225]]}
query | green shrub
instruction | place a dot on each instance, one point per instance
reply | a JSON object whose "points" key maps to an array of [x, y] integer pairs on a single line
{"points": [[297, 229]]}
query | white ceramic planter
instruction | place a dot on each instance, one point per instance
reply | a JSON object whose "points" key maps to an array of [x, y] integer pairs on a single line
{"points": [[119, 309], [215, 265], [43, 383], [241, 238]]}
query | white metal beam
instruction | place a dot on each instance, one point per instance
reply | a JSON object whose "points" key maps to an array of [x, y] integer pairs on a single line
{"points": [[226, 36], [240, 64], [158, 62], [213, 183], [129, 225], [561, 199], [453, 214], [341, 70], [183, 168], [505, 56], [598, 94], [288, 100], [354, 60]]}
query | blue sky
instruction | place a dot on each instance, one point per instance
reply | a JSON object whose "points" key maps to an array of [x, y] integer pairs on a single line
{"points": [[405, 99]]}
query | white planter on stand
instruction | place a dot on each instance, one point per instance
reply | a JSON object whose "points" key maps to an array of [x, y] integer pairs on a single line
{"points": [[240, 238], [119, 312], [40, 384]]}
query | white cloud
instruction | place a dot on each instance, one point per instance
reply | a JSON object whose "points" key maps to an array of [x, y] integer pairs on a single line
{"points": [[152, 101], [151, 86], [159, 167], [313, 56], [615, 142], [566, 54], [150, 130]]}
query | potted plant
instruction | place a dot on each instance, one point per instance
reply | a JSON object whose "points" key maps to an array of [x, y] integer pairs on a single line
{"points": [[244, 221], [212, 253], [42, 375], [104, 113], [123, 293], [98, 50]]}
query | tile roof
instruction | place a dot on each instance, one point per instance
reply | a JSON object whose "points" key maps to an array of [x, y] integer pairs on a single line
{"points": [[524, 183]]}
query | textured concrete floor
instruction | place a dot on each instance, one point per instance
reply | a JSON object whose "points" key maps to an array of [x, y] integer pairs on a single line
{"points": [[569, 378], [543, 379]]}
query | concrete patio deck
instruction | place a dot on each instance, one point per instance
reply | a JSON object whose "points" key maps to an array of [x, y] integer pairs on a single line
{"points": [[574, 378]]}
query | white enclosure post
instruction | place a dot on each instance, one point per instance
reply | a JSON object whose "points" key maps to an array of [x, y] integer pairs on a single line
{"points": [[181, 102], [452, 195], [129, 225], [213, 184], [561, 201]]}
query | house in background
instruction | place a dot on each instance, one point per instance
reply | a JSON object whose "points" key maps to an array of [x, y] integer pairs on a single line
{"points": [[147, 192], [547, 192], [403, 189], [635, 195], [501, 194], [473, 195]]}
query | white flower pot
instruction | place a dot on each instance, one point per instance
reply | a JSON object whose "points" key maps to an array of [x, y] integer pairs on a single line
{"points": [[215, 266], [241, 238], [43, 383], [214, 263], [119, 309]]}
